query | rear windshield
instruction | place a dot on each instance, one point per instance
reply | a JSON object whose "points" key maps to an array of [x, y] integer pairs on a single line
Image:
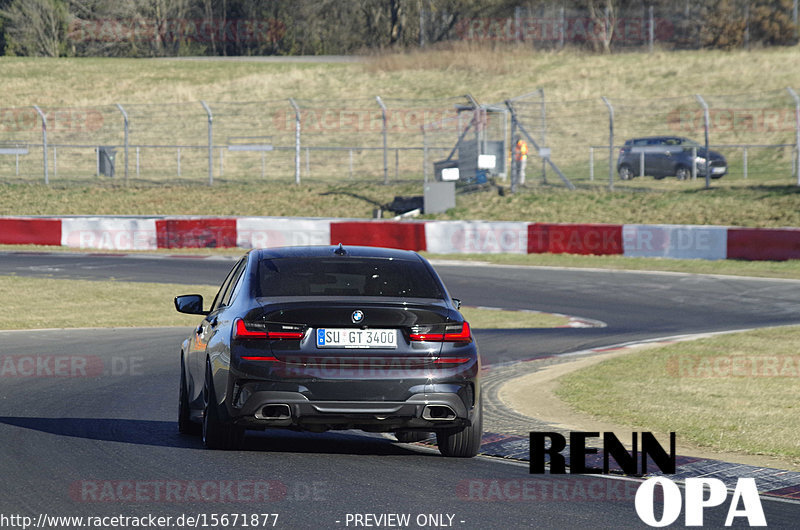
{"points": [[345, 277]]}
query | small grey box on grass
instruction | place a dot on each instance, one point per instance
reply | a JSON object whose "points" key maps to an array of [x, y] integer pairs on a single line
{"points": [[439, 197]]}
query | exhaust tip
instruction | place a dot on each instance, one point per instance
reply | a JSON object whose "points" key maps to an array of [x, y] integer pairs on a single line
{"points": [[438, 413], [276, 412]]}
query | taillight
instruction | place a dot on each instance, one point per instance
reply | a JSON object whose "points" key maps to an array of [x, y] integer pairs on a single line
{"points": [[452, 333], [444, 361], [241, 331]]}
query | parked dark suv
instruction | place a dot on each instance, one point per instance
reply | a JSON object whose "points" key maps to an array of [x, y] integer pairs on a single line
{"points": [[666, 156]]}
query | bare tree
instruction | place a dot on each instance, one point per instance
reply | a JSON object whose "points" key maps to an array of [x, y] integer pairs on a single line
{"points": [[35, 27]]}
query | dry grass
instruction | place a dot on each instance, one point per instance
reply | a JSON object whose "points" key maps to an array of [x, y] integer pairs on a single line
{"points": [[777, 206], [726, 409], [491, 73]]}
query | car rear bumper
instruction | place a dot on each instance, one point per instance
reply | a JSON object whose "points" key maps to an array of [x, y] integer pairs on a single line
{"points": [[427, 411]]}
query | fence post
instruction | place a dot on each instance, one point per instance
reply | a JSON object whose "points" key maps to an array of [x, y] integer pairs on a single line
{"points": [[296, 140], [705, 127], [796, 128], [651, 30], [544, 136], [610, 143], [55, 161], [425, 154], [744, 161], [125, 126], [44, 143], [385, 142], [210, 143], [591, 163]]}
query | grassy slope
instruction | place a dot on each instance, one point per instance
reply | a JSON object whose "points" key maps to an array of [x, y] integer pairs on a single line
{"points": [[489, 74], [673, 388], [759, 207]]}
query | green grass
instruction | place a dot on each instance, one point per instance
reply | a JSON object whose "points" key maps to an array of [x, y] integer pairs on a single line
{"points": [[704, 390], [28, 304], [572, 82], [765, 269], [756, 207]]}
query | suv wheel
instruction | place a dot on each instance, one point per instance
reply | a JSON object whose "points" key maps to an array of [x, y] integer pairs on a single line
{"points": [[683, 173], [462, 443], [216, 433], [625, 172]]}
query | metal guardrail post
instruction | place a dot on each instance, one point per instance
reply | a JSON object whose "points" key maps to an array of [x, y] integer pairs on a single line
{"points": [[385, 142], [705, 127], [44, 143], [610, 143], [796, 128], [296, 140], [125, 124], [210, 144]]}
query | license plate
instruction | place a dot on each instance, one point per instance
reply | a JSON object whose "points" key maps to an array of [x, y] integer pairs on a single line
{"points": [[717, 169], [356, 338]]}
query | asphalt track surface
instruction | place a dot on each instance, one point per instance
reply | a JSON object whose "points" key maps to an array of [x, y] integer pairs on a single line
{"points": [[81, 444]]}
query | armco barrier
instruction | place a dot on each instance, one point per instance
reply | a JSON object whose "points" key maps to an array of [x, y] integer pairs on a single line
{"points": [[597, 239], [439, 237], [675, 241], [402, 235], [262, 232], [196, 233], [108, 233], [29, 231], [476, 237], [763, 243]]}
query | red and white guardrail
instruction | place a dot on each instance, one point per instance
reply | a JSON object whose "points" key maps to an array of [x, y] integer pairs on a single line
{"points": [[441, 237]]}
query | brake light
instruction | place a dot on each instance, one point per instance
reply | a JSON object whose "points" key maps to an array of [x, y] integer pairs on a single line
{"points": [[240, 331], [451, 360], [259, 358], [459, 334]]}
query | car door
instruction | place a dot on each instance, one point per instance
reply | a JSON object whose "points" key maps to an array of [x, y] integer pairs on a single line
{"points": [[672, 156], [657, 161], [207, 328]]}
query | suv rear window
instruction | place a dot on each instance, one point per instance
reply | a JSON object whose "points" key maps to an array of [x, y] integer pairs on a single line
{"points": [[345, 277]]}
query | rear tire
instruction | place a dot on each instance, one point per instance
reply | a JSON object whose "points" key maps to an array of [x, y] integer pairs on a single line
{"points": [[408, 437], [683, 173], [185, 423], [463, 443], [625, 172], [216, 433]]}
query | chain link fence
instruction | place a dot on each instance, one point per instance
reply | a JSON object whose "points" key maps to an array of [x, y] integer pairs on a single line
{"points": [[387, 140]]}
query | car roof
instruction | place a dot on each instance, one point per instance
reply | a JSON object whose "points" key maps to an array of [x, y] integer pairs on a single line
{"points": [[658, 138], [327, 251]]}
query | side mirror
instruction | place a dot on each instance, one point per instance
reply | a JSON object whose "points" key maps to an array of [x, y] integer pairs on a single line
{"points": [[190, 303], [457, 302]]}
